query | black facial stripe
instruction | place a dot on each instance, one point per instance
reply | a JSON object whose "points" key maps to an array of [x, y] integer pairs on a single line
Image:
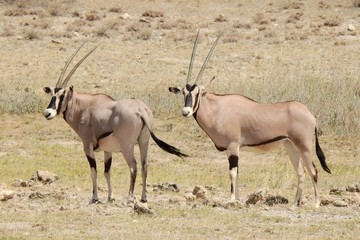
{"points": [[60, 102], [197, 102], [188, 100], [52, 103]]}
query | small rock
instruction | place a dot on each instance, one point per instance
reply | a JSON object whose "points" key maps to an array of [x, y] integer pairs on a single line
{"points": [[336, 191], [256, 197], [351, 28], [273, 200], [3, 185], [201, 193], [142, 208], [353, 188], [45, 177], [340, 203], [6, 195]]}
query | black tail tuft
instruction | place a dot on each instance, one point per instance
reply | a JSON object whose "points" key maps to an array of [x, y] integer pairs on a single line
{"points": [[166, 147], [320, 153]]}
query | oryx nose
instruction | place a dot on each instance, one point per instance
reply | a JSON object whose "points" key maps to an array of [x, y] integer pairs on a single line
{"points": [[186, 111]]}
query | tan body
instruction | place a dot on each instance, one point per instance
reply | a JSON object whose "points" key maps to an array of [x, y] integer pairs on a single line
{"points": [[106, 125], [235, 122]]}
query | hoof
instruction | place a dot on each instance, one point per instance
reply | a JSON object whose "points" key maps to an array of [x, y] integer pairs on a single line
{"points": [[95, 201], [111, 200]]}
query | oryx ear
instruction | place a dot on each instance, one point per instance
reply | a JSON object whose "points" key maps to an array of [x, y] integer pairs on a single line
{"points": [[71, 88], [175, 90], [47, 90]]}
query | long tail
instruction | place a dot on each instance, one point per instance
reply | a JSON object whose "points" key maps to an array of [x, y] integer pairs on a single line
{"points": [[320, 153], [163, 145]]}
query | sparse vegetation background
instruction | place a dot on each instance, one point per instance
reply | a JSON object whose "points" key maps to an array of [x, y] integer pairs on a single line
{"points": [[270, 51]]}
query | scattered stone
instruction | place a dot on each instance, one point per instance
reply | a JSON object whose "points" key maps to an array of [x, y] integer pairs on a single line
{"points": [[351, 28], [336, 191], [256, 197], [45, 177], [6, 195], [273, 200], [142, 208], [340, 203], [171, 187], [36, 195], [353, 188], [3, 185], [200, 192], [23, 183]]}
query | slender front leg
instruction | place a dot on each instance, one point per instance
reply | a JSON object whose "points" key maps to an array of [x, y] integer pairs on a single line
{"points": [[233, 157], [92, 163], [107, 168]]}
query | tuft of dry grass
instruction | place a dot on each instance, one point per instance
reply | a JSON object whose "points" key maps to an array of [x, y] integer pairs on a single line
{"points": [[153, 14], [221, 18]]}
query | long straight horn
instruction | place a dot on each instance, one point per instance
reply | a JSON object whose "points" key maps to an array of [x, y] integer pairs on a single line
{"points": [[207, 59], [192, 57], [76, 66], [58, 84]]}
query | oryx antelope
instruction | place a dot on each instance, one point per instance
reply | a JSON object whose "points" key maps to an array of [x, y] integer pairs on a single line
{"points": [[236, 122], [106, 125]]}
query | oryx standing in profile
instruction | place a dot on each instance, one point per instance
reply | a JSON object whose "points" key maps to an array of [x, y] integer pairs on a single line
{"points": [[106, 125], [236, 122]]}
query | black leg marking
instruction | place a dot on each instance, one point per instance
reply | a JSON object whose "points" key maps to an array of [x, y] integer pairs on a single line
{"points": [[108, 165], [233, 161], [92, 162]]}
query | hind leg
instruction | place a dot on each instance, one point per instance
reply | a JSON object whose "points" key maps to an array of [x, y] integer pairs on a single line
{"points": [[311, 169], [295, 160], [128, 154], [143, 146], [107, 163]]}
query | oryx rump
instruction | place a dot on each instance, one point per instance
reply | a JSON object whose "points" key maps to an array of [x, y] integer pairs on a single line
{"points": [[106, 125], [236, 122]]}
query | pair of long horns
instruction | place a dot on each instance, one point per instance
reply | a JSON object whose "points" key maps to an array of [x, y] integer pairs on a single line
{"points": [[62, 83], [206, 60]]}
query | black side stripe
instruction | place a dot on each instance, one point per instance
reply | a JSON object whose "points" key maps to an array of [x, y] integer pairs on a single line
{"points": [[104, 135], [267, 142]]}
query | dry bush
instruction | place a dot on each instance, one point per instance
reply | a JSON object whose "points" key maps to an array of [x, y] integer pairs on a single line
{"points": [[164, 25], [293, 5], [31, 34], [182, 24], [294, 17], [8, 31], [116, 10], [76, 25], [231, 37], [332, 21], [92, 16], [221, 18], [260, 18], [101, 31], [324, 5], [356, 3], [153, 14], [242, 25], [18, 12]]}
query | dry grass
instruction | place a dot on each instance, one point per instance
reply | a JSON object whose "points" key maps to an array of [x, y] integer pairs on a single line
{"points": [[260, 55]]}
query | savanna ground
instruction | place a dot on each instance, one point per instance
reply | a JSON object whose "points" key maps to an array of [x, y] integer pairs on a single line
{"points": [[274, 50]]}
